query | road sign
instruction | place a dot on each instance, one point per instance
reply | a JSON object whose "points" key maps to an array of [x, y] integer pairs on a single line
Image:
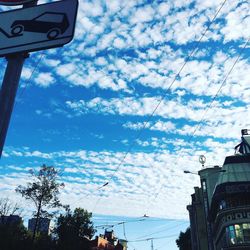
{"points": [[14, 2], [38, 27]]}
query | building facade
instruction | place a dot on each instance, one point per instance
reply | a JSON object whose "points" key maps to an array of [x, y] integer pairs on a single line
{"points": [[108, 241], [10, 219], [42, 225], [198, 221], [224, 198]]}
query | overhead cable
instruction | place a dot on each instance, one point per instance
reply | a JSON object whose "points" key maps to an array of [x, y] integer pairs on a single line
{"points": [[166, 92], [202, 120]]}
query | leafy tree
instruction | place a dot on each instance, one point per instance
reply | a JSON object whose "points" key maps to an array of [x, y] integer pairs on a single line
{"points": [[74, 230], [44, 242], [43, 192], [184, 240], [13, 235]]}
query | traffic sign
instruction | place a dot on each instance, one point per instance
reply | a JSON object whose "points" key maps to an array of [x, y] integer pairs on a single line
{"points": [[14, 2], [38, 27]]}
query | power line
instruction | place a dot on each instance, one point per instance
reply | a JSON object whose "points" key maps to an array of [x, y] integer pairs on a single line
{"points": [[164, 245], [144, 218], [155, 238], [202, 120], [159, 103], [166, 92], [160, 231], [120, 223], [32, 73], [124, 231], [217, 93]]}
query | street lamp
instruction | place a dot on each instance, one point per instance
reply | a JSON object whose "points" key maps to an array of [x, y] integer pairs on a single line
{"points": [[202, 160], [189, 172]]}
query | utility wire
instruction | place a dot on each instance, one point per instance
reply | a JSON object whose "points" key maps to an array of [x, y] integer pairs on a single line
{"points": [[159, 103], [124, 231], [120, 223], [145, 124], [164, 95], [140, 219], [160, 231], [31, 75], [203, 119], [163, 245], [155, 238]]}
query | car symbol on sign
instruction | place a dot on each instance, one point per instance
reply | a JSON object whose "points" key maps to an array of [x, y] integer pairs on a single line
{"points": [[51, 23]]}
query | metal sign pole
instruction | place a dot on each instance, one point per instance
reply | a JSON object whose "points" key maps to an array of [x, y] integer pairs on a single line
{"points": [[9, 89], [8, 93]]}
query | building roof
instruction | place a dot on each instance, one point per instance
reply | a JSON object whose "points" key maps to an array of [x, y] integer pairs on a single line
{"points": [[236, 169]]}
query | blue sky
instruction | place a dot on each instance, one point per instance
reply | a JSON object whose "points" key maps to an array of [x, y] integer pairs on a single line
{"points": [[140, 230], [111, 106]]}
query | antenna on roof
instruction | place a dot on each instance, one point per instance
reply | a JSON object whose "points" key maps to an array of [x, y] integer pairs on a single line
{"points": [[244, 146], [244, 132]]}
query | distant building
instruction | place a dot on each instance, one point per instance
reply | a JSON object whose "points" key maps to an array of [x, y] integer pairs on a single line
{"points": [[110, 237], [42, 225], [198, 221], [121, 245], [220, 208], [100, 243], [11, 219], [230, 207], [108, 241]]}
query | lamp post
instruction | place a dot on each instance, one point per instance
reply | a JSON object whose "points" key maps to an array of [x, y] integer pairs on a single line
{"points": [[189, 172]]}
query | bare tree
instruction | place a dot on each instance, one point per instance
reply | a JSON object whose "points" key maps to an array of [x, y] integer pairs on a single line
{"points": [[7, 207]]}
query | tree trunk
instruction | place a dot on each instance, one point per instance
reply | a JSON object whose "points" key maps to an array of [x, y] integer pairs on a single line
{"points": [[36, 222]]}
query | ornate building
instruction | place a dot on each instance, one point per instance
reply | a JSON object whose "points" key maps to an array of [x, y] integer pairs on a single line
{"points": [[230, 208], [221, 206]]}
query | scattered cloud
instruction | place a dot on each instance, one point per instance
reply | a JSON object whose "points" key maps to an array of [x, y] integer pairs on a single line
{"points": [[45, 80], [128, 74]]}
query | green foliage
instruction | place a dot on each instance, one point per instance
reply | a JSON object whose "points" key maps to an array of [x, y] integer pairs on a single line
{"points": [[13, 236], [184, 240], [74, 230], [44, 242], [43, 191]]}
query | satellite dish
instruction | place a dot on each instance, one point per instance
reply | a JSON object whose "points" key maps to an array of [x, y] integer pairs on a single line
{"points": [[202, 160]]}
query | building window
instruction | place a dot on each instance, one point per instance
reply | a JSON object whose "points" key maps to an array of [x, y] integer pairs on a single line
{"points": [[231, 238], [222, 204], [238, 234], [204, 186], [246, 232]]}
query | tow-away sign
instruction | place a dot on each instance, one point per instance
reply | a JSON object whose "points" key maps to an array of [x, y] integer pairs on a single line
{"points": [[14, 2], [38, 27]]}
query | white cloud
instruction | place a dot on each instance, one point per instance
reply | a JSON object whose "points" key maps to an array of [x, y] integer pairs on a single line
{"points": [[26, 73], [237, 23], [130, 53], [157, 126], [174, 109], [140, 174], [66, 69], [142, 15], [44, 80]]}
